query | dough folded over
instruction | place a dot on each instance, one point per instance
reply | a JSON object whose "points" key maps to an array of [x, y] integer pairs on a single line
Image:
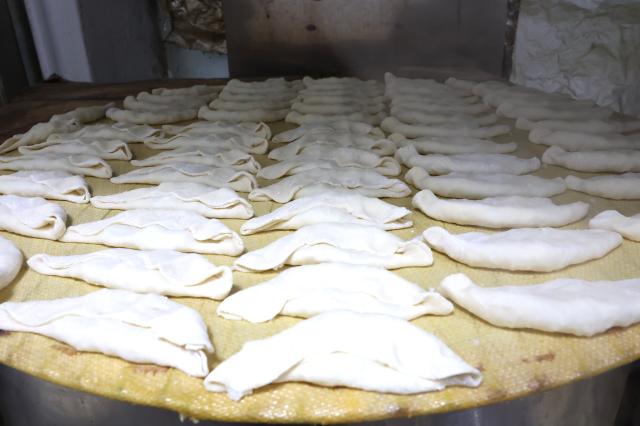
{"points": [[306, 291], [266, 115], [332, 206], [218, 177], [365, 182], [10, 261], [500, 212], [393, 125], [372, 352], [467, 163], [313, 141], [32, 216], [616, 187], [166, 272], [144, 229], [204, 128], [125, 132], [362, 117], [54, 185], [105, 149], [152, 117], [86, 165], [209, 156], [339, 126], [572, 306], [483, 185], [208, 201], [337, 242], [140, 328], [612, 220], [250, 144], [411, 116], [525, 249], [197, 89], [616, 161], [454, 145]]}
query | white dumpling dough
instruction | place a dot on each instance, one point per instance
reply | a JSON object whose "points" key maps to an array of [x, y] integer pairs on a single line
{"points": [[10, 261], [210, 156], [362, 117], [379, 147], [306, 291], [260, 130], [525, 249], [228, 105], [616, 187], [219, 141], [125, 132], [105, 149], [366, 182], [141, 328], [572, 306], [86, 165], [205, 200], [265, 115], [339, 126], [454, 145], [218, 177], [337, 242], [152, 117], [393, 125], [197, 89], [332, 206], [467, 163], [411, 116], [144, 229], [588, 126], [612, 220], [483, 185], [500, 212], [578, 141], [377, 353], [32, 216], [53, 185], [616, 161], [166, 272]]}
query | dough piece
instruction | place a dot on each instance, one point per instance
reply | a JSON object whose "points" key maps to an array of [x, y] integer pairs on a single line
{"points": [[439, 108], [393, 125], [218, 177], [298, 118], [310, 290], [192, 100], [145, 229], [542, 112], [266, 115], [197, 89], [572, 306], [209, 156], [130, 103], [125, 132], [380, 147], [250, 144], [205, 128], [68, 122], [105, 149], [273, 96], [32, 216], [483, 185], [339, 126], [221, 203], [500, 212], [612, 220], [141, 328], [458, 83], [54, 185], [152, 117], [10, 261], [616, 161], [377, 353], [616, 187], [525, 249], [86, 165], [454, 145], [226, 105], [366, 182], [335, 206], [337, 108], [435, 99], [337, 242], [166, 272], [467, 163], [410, 116], [589, 126], [576, 141]]}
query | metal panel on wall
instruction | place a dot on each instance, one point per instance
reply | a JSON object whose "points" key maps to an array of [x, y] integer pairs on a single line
{"points": [[364, 37]]}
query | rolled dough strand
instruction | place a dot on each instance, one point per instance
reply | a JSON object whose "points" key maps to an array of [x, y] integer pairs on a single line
{"points": [[297, 118], [438, 100], [252, 97], [467, 85], [169, 100], [221, 104], [151, 117], [416, 117], [132, 104], [586, 126], [393, 125], [331, 100], [615, 187], [440, 108], [576, 141], [614, 161], [541, 113], [335, 109], [264, 115], [198, 89], [454, 145]]}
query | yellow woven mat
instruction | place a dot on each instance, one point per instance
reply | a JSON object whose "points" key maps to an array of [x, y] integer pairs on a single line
{"points": [[514, 363]]}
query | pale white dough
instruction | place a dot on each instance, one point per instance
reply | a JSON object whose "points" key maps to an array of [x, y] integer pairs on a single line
{"points": [[612, 220], [364, 117], [178, 103], [332, 206], [366, 182], [146, 229], [372, 352], [220, 177], [265, 115], [454, 145], [437, 107], [483, 185], [411, 116], [227, 105], [125, 132], [87, 165], [380, 147], [337, 242], [197, 89], [616, 187], [210, 156], [337, 108], [306, 291], [616, 161], [588, 126], [105, 149], [525, 249], [10, 261], [559, 112], [467, 163], [393, 125], [166, 272], [500, 212], [219, 141], [221, 203], [260, 130], [32, 216], [572, 306], [152, 117], [577, 141], [140, 328], [339, 126], [54, 185]]}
